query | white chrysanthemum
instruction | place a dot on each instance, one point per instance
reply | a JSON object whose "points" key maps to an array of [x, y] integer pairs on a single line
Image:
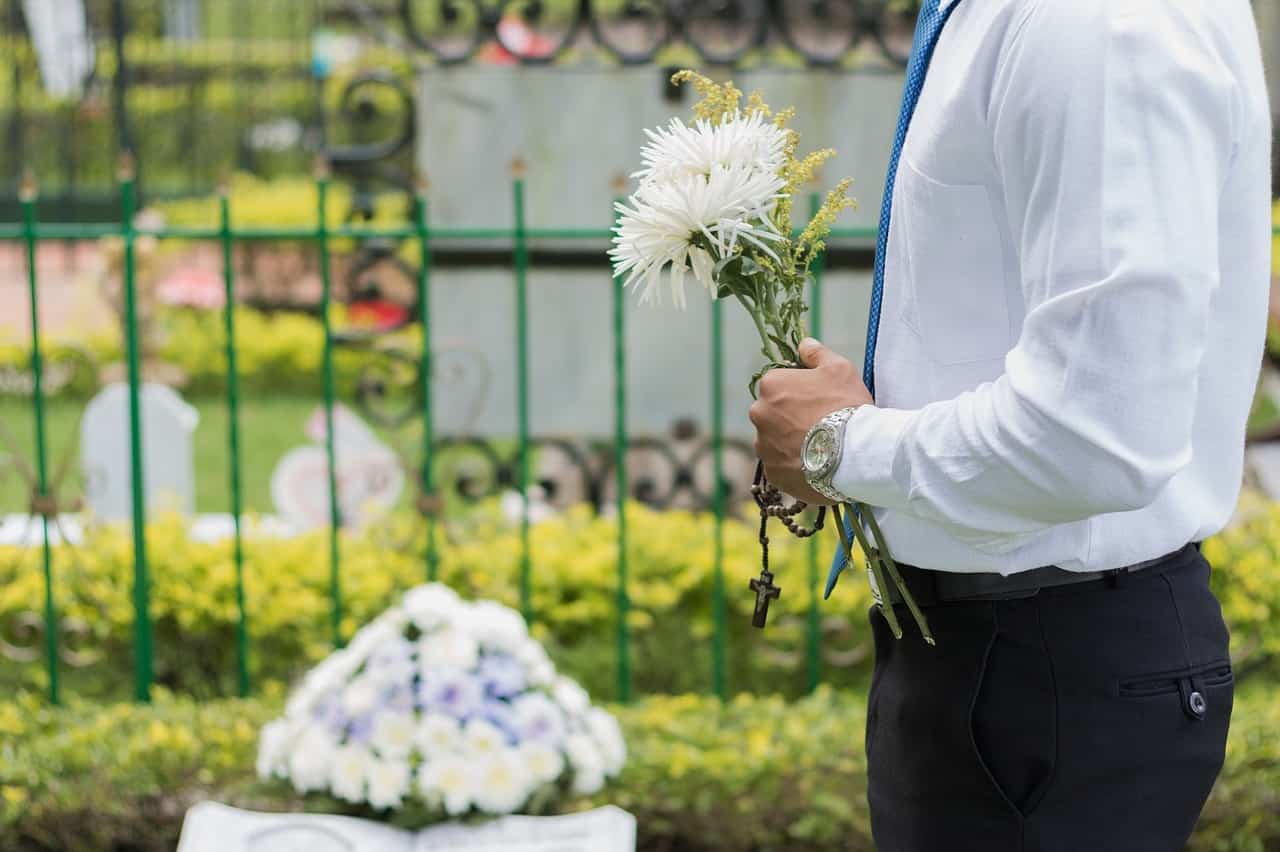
{"points": [[328, 676], [391, 662], [360, 696], [437, 735], [393, 734], [543, 763], [371, 636], [497, 627], [587, 764], [273, 746], [679, 150], [451, 780], [538, 718], [348, 771], [539, 670], [607, 733], [310, 759], [449, 648], [570, 696], [432, 605], [388, 783], [502, 783], [482, 739], [689, 223]]}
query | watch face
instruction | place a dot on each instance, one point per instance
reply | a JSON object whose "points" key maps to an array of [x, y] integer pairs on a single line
{"points": [[819, 450]]}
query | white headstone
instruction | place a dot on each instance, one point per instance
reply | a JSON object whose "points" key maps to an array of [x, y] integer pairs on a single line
{"points": [[168, 468], [64, 47], [212, 827], [369, 475]]}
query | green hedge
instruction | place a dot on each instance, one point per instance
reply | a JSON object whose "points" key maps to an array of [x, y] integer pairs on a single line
{"points": [[287, 582], [751, 775], [273, 351], [672, 582]]}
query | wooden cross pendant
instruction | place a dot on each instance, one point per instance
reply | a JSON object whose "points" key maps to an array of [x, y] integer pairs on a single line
{"points": [[765, 591]]}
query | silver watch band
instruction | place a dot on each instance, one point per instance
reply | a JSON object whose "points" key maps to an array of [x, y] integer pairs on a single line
{"points": [[821, 483]]}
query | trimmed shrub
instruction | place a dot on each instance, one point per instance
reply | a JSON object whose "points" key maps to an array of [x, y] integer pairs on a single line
{"points": [[574, 598], [754, 774]]}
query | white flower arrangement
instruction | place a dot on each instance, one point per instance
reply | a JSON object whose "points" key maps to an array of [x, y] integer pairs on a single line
{"points": [[715, 200], [444, 708]]}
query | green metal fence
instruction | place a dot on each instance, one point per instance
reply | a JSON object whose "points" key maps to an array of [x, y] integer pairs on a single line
{"points": [[31, 232]]}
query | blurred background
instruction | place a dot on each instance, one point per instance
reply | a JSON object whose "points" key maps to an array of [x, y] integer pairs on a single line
{"points": [[503, 418]]}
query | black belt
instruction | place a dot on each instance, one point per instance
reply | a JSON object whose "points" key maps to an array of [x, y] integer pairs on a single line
{"points": [[934, 587]]}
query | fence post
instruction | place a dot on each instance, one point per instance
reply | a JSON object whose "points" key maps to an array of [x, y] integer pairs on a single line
{"points": [[40, 503], [812, 631], [233, 435], [717, 493], [620, 466], [521, 259], [141, 581], [120, 84], [335, 518], [432, 505]]}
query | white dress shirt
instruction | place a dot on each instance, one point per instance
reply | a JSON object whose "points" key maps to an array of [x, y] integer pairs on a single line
{"points": [[1076, 287]]}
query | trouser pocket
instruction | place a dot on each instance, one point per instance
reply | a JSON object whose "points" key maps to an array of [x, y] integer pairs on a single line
{"points": [[1013, 719], [1195, 687]]}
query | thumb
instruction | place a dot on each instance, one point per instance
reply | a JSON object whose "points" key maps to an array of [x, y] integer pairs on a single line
{"points": [[814, 354]]}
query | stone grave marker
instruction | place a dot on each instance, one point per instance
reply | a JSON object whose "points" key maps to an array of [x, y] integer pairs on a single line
{"points": [[168, 424]]}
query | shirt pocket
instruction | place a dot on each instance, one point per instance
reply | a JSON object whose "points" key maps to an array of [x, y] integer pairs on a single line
{"points": [[955, 290]]}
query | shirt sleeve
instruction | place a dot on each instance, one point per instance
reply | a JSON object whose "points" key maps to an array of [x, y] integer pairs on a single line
{"points": [[1112, 127]]}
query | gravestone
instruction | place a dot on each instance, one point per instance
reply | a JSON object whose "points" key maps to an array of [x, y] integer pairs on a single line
{"points": [[63, 43], [105, 455], [369, 475]]}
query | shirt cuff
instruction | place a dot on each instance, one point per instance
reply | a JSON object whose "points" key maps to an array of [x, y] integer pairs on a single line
{"points": [[871, 439]]}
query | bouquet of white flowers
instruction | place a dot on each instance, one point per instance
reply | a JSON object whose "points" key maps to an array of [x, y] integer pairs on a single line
{"points": [[441, 708], [714, 202]]}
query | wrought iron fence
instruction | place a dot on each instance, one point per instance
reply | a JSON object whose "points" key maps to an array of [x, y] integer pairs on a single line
{"points": [[418, 234], [240, 84], [823, 33]]}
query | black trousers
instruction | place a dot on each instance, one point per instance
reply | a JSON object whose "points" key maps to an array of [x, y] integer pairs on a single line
{"points": [[1087, 718]]}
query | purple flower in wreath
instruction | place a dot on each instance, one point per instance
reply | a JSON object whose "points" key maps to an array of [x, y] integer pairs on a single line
{"points": [[360, 729], [452, 692], [503, 717], [501, 675]]}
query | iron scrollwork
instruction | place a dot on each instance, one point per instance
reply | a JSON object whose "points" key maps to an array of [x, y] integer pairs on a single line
{"points": [[824, 32]]}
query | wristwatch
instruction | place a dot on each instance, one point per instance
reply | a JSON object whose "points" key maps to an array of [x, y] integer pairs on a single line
{"points": [[821, 452]]}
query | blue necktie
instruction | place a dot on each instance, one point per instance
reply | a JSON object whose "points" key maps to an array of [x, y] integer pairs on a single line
{"points": [[928, 28]]}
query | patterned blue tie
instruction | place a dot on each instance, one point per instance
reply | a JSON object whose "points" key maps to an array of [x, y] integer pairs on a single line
{"points": [[928, 29]]}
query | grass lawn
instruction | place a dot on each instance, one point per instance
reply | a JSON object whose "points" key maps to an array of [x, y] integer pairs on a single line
{"points": [[270, 426]]}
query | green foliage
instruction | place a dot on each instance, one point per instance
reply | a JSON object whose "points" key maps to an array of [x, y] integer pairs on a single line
{"points": [[754, 774], [273, 351], [290, 202], [672, 579], [1246, 579], [672, 582]]}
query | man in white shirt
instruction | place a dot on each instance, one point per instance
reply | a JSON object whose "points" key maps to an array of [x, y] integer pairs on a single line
{"points": [[1075, 286]]}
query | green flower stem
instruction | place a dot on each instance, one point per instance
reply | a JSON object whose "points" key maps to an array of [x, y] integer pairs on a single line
{"points": [[756, 318], [874, 563], [909, 599]]}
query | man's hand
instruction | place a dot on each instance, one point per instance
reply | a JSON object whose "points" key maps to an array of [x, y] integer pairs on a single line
{"points": [[791, 402]]}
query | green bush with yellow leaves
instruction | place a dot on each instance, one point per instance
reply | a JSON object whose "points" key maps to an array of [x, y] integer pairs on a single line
{"points": [[753, 774], [274, 351], [671, 620]]}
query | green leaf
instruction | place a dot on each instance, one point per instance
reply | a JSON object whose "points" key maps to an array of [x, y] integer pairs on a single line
{"points": [[725, 265]]}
